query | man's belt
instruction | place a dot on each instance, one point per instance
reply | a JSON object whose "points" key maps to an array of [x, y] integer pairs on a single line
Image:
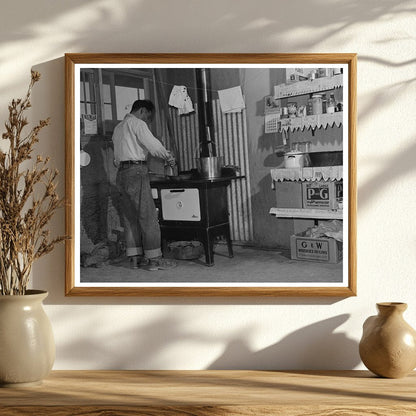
{"points": [[132, 162]]}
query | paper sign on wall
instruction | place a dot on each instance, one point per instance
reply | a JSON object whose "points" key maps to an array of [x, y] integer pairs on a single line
{"points": [[231, 100], [90, 123]]}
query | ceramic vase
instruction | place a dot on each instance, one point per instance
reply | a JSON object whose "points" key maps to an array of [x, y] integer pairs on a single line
{"points": [[388, 345], [27, 346]]}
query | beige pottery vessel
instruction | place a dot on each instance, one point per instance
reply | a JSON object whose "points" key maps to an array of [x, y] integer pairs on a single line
{"points": [[388, 345], [27, 346]]}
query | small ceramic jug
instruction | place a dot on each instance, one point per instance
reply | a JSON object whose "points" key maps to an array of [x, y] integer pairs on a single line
{"points": [[388, 345], [27, 346]]}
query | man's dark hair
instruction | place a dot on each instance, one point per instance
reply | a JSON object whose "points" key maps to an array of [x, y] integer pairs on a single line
{"points": [[138, 104]]}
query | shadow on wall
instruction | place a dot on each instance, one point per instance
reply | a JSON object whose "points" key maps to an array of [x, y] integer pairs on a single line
{"points": [[382, 97], [316, 346], [78, 27], [397, 166], [313, 347], [128, 348], [258, 23]]}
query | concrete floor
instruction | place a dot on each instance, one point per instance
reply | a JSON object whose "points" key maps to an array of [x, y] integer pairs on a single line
{"points": [[248, 265]]}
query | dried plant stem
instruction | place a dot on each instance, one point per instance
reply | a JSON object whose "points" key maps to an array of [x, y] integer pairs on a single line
{"points": [[28, 200]]}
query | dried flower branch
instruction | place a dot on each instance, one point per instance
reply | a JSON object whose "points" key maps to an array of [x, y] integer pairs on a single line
{"points": [[28, 199]]}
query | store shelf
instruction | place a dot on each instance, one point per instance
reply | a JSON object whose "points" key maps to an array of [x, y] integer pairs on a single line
{"points": [[308, 174], [319, 214], [311, 122], [317, 173], [308, 87]]}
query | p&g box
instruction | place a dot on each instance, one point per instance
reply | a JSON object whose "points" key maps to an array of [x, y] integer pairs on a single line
{"points": [[322, 194]]}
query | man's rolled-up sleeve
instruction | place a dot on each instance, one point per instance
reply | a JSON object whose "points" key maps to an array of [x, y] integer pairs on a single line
{"points": [[150, 142]]}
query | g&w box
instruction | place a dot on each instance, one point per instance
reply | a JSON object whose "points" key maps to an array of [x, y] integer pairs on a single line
{"points": [[321, 249]]}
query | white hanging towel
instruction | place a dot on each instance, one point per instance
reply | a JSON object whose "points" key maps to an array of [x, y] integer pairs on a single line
{"points": [[180, 99], [231, 100], [90, 123]]}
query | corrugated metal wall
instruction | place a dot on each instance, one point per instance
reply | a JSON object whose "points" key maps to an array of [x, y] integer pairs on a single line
{"points": [[231, 141]]}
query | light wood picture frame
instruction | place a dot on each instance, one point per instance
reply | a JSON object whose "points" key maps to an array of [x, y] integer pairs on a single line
{"points": [[250, 78]]}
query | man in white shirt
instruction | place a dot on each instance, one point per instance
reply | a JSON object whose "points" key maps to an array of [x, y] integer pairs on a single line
{"points": [[133, 141]]}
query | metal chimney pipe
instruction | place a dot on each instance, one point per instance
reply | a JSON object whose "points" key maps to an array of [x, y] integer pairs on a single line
{"points": [[205, 116]]}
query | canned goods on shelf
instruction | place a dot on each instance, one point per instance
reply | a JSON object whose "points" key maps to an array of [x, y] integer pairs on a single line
{"points": [[317, 107]]}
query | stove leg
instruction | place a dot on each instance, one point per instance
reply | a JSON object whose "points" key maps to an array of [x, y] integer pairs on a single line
{"points": [[229, 243], [208, 243]]}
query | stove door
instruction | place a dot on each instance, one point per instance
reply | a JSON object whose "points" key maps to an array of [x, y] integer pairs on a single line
{"points": [[180, 204]]}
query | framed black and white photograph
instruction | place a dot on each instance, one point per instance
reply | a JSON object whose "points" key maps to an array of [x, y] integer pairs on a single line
{"points": [[211, 174]]}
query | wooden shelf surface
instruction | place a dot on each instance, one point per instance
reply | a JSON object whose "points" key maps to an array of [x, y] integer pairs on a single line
{"points": [[321, 214], [311, 122], [308, 87], [212, 392]]}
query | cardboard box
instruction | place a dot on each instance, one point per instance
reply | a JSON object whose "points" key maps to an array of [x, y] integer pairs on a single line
{"points": [[322, 194], [288, 194], [322, 249]]}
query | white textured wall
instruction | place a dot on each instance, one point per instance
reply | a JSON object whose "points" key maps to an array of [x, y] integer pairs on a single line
{"points": [[197, 333]]}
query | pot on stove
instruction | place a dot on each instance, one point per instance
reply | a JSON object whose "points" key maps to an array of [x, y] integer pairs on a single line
{"points": [[210, 167]]}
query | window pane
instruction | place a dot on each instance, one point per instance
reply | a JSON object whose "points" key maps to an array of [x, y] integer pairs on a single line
{"points": [[106, 93], [108, 115], [82, 94]]}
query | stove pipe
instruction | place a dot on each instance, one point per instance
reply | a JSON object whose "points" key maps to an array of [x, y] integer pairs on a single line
{"points": [[205, 116]]}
